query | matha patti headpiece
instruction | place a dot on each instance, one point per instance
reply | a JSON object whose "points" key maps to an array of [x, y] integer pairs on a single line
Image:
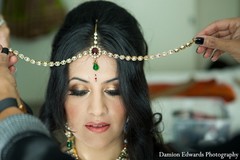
{"points": [[95, 51]]}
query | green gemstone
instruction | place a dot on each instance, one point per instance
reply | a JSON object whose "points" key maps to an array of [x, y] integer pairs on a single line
{"points": [[95, 66], [69, 144]]}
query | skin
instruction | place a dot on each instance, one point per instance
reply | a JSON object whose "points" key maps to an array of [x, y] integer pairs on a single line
{"points": [[4, 42], [7, 85], [4, 35], [91, 100], [7, 69], [219, 37]]}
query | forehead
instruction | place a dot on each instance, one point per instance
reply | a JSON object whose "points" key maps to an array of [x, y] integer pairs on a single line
{"points": [[84, 66]]}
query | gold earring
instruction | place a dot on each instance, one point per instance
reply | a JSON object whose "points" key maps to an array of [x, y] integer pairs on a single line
{"points": [[71, 149]]}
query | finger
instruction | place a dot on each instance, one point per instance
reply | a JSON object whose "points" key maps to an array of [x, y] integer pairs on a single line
{"points": [[12, 59], [5, 50], [215, 27], [4, 57], [222, 34], [4, 35], [201, 50], [208, 53], [211, 42], [216, 55], [12, 69], [226, 45]]}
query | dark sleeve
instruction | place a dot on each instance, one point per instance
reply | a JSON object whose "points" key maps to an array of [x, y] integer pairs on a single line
{"points": [[34, 146], [24, 137]]}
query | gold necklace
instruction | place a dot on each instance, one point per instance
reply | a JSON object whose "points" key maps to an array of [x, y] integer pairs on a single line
{"points": [[95, 51], [122, 156]]}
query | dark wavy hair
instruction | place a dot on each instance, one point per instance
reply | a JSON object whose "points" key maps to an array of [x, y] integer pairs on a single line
{"points": [[118, 32]]}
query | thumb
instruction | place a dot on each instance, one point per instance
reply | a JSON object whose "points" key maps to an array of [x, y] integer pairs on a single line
{"points": [[226, 45], [4, 57]]}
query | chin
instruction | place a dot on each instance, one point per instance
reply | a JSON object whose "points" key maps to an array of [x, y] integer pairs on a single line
{"points": [[98, 142]]}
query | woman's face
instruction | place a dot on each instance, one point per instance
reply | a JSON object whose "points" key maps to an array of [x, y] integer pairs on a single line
{"points": [[94, 107]]}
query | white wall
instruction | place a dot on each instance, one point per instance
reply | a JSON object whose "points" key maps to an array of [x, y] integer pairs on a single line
{"points": [[166, 24]]}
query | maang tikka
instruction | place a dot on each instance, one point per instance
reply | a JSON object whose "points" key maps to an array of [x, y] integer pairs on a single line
{"points": [[95, 50]]}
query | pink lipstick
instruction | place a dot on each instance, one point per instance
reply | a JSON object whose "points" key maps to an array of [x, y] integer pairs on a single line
{"points": [[97, 127]]}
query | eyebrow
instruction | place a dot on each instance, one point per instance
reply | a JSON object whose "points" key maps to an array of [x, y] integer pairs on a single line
{"points": [[85, 81], [110, 80], [79, 79]]}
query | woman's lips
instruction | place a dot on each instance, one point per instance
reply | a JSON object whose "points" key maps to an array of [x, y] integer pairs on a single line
{"points": [[97, 127]]}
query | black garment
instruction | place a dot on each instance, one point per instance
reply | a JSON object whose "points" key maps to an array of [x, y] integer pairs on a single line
{"points": [[232, 145], [34, 146], [24, 137]]}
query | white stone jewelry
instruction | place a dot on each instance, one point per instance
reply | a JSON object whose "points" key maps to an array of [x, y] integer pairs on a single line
{"points": [[101, 52]]}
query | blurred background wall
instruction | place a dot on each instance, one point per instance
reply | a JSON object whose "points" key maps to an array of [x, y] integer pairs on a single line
{"points": [[166, 25]]}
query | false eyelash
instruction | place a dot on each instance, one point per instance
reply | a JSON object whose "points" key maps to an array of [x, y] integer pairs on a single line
{"points": [[75, 92], [113, 92]]}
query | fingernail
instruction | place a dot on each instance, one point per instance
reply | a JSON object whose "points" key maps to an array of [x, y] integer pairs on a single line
{"points": [[213, 59], [5, 50], [197, 50], [204, 54], [199, 40]]}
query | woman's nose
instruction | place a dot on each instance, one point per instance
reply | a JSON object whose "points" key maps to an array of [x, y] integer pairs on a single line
{"points": [[97, 106]]}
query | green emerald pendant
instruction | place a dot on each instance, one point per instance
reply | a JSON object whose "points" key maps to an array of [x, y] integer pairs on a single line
{"points": [[95, 66], [69, 144]]}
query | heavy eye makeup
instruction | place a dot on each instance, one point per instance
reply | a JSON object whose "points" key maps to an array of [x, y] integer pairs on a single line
{"points": [[78, 90], [112, 90]]}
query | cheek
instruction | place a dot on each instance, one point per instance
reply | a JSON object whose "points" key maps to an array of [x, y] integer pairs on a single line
{"points": [[73, 111], [118, 111]]}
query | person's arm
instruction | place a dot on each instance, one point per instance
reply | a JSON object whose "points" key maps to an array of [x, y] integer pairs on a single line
{"points": [[5, 42], [23, 137], [219, 37]]}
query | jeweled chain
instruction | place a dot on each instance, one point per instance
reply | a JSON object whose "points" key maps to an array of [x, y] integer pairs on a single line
{"points": [[102, 52]]}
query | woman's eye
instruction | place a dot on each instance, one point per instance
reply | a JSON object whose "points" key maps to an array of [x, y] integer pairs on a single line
{"points": [[75, 92], [112, 92]]}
